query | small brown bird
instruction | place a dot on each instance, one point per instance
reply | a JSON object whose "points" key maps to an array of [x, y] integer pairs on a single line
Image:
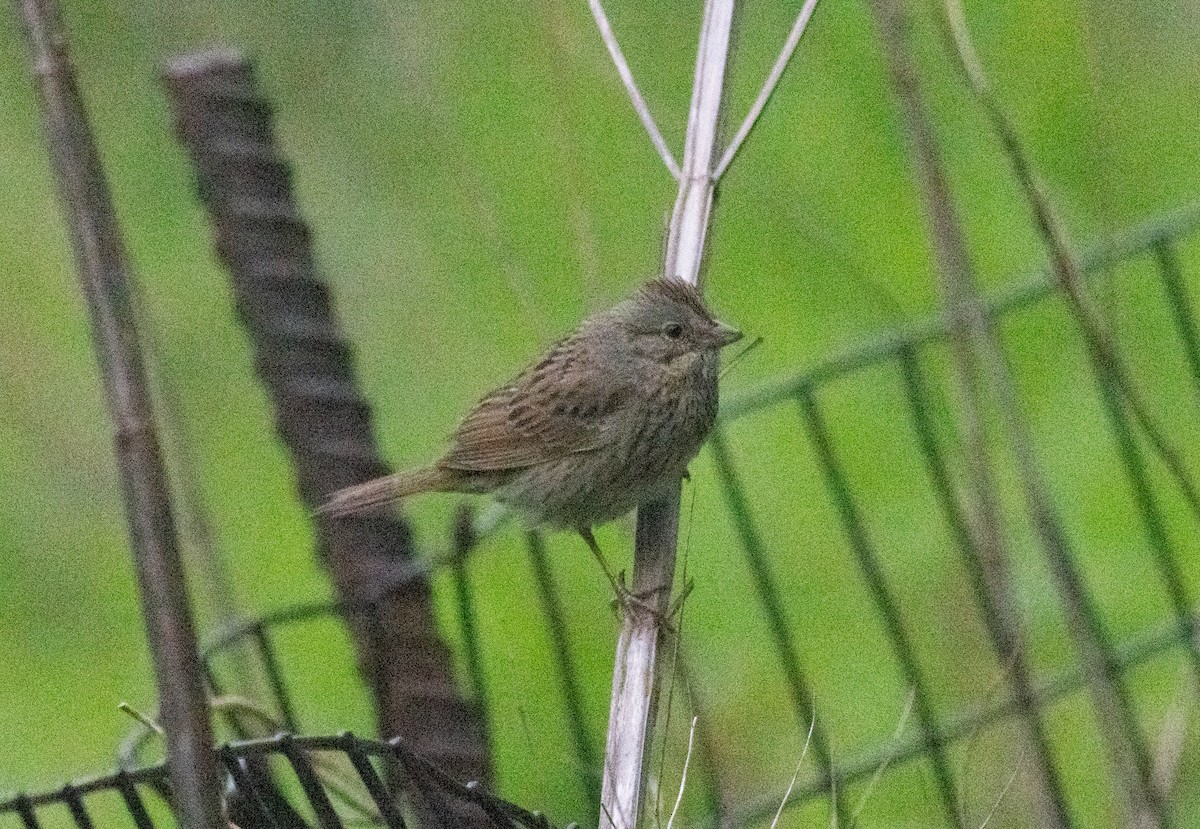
{"points": [[606, 419]]}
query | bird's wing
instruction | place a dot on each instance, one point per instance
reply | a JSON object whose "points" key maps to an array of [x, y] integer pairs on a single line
{"points": [[563, 405]]}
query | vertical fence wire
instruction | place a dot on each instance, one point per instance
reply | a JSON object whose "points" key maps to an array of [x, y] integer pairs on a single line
{"points": [[772, 606], [1003, 631], [254, 799], [310, 783], [468, 618], [79, 812], [585, 751], [384, 801], [283, 700], [28, 816], [838, 485], [1153, 524], [1181, 307], [1118, 727], [133, 802]]}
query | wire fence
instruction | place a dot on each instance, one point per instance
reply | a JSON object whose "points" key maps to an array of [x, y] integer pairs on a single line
{"points": [[328, 797], [1026, 698]]}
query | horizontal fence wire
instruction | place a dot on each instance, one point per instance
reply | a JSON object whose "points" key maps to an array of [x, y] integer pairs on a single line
{"points": [[1158, 233], [1134, 653], [1027, 698]]}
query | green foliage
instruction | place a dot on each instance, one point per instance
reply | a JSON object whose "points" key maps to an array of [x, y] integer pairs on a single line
{"points": [[477, 181]]}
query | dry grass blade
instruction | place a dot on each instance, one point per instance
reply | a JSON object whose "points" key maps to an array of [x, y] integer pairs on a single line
{"points": [[1105, 355], [960, 296], [897, 733], [1003, 792], [796, 775], [687, 760], [1172, 736]]}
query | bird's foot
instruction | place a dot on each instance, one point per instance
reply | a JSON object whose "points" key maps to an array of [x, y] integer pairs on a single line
{"points": [[642, 601]]}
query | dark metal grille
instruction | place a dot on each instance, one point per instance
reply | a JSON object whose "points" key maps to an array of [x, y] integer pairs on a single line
{"points": [[255, 797]]}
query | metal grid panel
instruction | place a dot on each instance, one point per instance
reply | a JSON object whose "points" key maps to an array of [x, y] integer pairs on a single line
{"points": [[1026, 699]]}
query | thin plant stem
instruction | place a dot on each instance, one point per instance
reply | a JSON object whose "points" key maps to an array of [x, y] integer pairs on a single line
{"points": [[107, 286], [1002, 622], [1000, 798], [897, 733], [795, 774], [687, 761], [768, 89], [960, 298], [639, 103], [1105, 356], [636, 674], [1033, 288]]}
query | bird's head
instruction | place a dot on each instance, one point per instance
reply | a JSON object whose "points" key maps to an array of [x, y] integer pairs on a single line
{"points": [[667, 319]]}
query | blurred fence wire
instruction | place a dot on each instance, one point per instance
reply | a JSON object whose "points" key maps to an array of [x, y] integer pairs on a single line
{"points": [[903, 351]]}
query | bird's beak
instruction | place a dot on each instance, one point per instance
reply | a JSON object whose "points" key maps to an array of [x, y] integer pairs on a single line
{"points": [[725, 335]]}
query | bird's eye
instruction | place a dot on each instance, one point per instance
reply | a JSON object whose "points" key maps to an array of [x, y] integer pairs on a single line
{"points": [[673, 330]]}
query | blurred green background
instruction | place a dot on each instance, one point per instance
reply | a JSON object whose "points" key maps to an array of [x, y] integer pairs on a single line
{"points": [[477, 182]]}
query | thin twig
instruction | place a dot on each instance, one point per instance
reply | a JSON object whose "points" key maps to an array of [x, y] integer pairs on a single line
{"points": [[635, 95], [760, 103], [104, 276], [1172, 736], [1002, 623], [897, 733], [1105, 356], [706, 753], [1000, 799], [1138, 651]]}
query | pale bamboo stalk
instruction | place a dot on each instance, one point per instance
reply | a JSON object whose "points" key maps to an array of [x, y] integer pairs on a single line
{"points": [[106, 283], [689, 219], [644, 627]]}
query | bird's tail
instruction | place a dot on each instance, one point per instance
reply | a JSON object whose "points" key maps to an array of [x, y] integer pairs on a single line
{"points": [[363, 497]]}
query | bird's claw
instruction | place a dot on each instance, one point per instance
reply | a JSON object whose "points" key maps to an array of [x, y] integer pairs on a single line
{"points": [[626, 601]]}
